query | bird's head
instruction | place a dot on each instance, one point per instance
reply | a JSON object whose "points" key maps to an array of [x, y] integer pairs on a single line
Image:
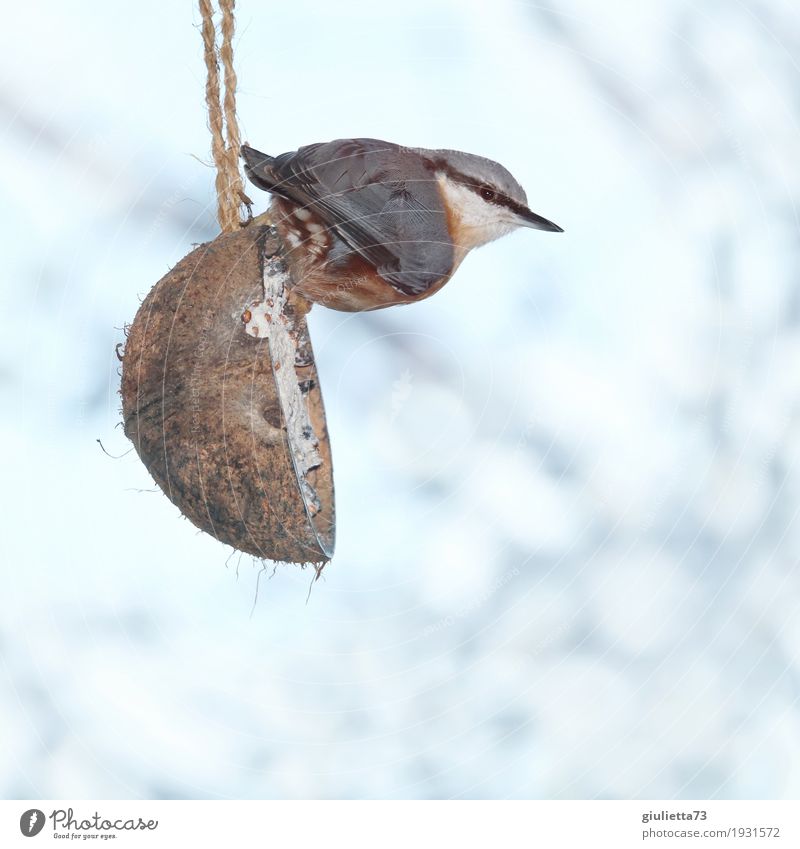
{"points": [[483, 199]]}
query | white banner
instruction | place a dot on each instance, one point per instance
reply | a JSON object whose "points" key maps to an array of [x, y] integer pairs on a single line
{"points": [[354, 824]]}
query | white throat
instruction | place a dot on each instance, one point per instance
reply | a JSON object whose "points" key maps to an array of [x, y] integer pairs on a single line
{"points": [[476, 221]]}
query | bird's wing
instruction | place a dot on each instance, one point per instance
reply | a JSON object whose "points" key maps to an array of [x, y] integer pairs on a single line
{"points": [[382, 202]]}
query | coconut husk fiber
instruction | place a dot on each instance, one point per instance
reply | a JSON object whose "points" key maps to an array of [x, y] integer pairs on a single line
{"points": [[231, 429]]}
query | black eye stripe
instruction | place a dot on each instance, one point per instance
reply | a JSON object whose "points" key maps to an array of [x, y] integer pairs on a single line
{"points": [[497, 198], [471, 183]]}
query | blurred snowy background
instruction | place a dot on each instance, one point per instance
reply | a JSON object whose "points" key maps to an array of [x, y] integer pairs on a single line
{"points": [[568, 484]]}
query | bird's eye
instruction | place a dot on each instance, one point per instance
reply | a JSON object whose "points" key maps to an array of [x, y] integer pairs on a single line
{"points": [[487, 193]]}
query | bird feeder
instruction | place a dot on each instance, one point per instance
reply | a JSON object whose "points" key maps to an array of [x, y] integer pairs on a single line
{"points": [[221, 399]]}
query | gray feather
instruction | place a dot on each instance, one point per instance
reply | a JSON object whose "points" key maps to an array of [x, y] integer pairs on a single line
{"points": [[381, 201]]}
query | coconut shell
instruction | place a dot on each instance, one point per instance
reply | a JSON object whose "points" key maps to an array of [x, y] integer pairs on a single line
{"points": [[213, 417]]}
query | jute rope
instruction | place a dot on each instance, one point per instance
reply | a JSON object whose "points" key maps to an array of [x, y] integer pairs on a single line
{"points": [[222, 116]]}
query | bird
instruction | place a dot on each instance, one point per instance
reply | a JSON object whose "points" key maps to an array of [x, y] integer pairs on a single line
{"points": [[369, 224]]}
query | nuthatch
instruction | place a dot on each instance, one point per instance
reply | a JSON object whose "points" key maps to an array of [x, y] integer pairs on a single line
{"points": [[370, 224]]}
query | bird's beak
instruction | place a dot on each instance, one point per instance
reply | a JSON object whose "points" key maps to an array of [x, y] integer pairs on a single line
{"points": [[526, 218]]}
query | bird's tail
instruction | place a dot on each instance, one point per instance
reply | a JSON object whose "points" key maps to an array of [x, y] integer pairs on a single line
{"points": [[258, 167]]}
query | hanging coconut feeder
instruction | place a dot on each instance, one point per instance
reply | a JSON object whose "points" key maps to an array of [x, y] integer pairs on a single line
{"points": [[220, 392], [221, 399]]}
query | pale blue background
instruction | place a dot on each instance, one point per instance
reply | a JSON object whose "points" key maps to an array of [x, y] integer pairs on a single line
{"points": [[568, 484]]}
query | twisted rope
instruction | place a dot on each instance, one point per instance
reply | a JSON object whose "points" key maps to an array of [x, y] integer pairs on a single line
{"points": [[222, 116]]}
